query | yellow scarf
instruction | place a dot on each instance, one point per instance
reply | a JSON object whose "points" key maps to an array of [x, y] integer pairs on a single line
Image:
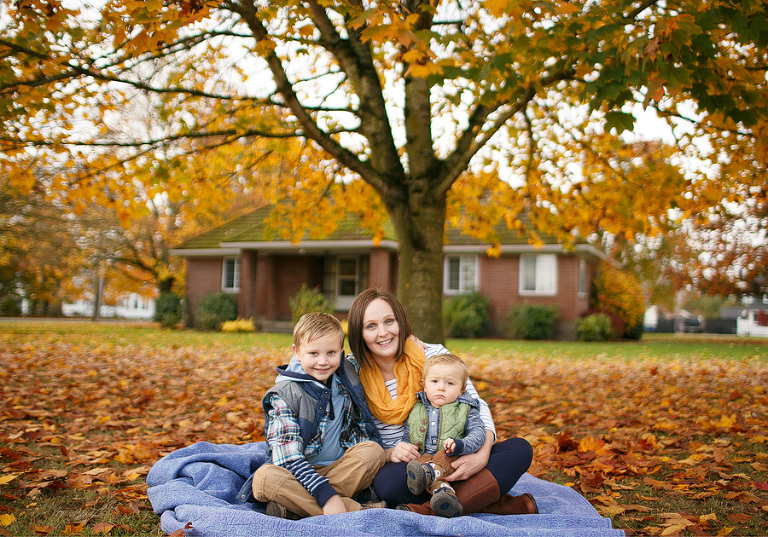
{"points": [[408, 375]]}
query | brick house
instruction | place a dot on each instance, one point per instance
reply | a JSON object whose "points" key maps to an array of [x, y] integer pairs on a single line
{"points": [[240, 258]]}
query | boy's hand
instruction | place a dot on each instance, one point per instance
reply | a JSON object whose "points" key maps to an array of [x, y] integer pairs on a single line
{"points": [[403, 452], [449, 446], [334, 505]]}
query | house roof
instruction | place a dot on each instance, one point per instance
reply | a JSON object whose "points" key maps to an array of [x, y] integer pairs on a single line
{"points": [[250, 232]]}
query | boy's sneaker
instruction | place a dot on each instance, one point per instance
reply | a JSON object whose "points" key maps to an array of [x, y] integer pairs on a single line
{"points": [[419, 476], [445, 503], [280, 511]]}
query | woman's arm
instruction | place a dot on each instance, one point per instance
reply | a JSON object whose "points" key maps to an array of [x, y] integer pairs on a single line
{"points": [[468, 465]]}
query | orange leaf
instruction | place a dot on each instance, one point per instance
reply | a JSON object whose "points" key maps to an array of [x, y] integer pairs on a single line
{"points": [[103, 527]]}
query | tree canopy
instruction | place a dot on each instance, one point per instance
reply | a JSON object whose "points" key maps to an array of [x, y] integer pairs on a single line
{"points": [[433, 111]]}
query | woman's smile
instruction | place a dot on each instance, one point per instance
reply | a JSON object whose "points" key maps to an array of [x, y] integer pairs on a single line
{"points": [[381, 330]]}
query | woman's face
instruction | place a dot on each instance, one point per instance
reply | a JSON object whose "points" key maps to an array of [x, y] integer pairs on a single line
{"points": [[381, 330]]}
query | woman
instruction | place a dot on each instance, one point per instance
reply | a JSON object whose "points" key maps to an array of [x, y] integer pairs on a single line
{"points": [[390, 371]]}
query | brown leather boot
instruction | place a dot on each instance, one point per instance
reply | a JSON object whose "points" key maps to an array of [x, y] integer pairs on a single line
{"points": [[512, 505], [473, 494], [477, 492]]}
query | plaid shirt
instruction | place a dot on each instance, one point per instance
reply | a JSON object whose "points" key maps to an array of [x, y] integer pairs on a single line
{"points": [[284, 437]]}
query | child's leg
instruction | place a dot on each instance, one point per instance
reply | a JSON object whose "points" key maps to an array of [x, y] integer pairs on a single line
{"points": [[428, 472], [442, 461], [355, 470], [277, 484]]}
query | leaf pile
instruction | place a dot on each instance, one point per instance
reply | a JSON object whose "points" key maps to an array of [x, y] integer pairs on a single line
{"points": [[663, 447]]}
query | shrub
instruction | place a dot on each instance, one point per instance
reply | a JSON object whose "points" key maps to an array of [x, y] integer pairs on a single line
{"points": [[636, 331], [308, 300], [168, 310], [214, 309], [239, 325], [528, 321], [466, 316], [595, 327], [10, 307]]}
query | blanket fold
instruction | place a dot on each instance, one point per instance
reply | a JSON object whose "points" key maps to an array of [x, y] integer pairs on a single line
{"points": [[196, 487]]}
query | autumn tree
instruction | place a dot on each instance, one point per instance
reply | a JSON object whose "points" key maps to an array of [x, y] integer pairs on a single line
{"points": [[518, 101]]}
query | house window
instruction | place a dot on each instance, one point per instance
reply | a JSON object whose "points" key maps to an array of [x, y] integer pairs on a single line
{"points": [[538, 274], [344, 277], [230, 275], [460, 274], [582, 276]]}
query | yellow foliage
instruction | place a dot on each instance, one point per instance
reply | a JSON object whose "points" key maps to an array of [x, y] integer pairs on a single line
{"points": [[239, 325], [619, 292]]}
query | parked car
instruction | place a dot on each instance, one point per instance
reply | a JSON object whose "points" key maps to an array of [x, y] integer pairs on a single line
{"points": [[689, 323]]}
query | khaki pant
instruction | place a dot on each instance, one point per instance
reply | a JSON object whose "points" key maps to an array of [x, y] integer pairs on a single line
{"points": [[353, 472]]}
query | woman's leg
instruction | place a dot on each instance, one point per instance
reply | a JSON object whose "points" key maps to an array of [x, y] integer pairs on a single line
{"points": [[509, 460], [390, 485]]}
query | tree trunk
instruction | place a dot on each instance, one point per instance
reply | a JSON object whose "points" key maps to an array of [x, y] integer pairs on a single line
{"points": [[420, 229]]}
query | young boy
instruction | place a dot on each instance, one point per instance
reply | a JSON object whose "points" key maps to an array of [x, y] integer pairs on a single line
{"points": [[318, 428], [443, 424]]}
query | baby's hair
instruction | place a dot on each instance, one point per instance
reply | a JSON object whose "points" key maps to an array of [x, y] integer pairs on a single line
{"points": [[450, 359], [312, 326]]}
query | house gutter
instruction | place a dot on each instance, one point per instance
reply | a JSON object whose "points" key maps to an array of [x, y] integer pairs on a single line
{"points": [[524, 249], [314, 246]]}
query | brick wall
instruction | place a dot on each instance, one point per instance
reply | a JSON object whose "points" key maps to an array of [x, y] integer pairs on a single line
{"points": [[500, 282], [203, 278]]}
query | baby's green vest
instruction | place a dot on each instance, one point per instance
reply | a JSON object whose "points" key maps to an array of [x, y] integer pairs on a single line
{"points": [[453, 419]]}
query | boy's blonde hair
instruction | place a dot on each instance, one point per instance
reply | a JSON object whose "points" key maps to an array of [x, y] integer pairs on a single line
{"points": [[312, 326], [449, 359]]}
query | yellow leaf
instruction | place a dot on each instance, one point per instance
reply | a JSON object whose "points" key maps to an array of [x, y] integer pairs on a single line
{"points": [[7, 478], [704, 519], [7, 520], [726, 422], [725, 530]]}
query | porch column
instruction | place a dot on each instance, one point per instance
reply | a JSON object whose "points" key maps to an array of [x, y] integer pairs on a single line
{"points": [[380, 270], [246, 306], [264, 288]]}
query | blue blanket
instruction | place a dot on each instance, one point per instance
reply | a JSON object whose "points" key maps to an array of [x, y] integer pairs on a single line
{"points": [[196, 488]]}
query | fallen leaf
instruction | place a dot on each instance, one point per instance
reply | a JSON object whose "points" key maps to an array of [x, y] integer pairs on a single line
{"points": [[7, 519], [7, 478], [739, 518], [103, 527]]}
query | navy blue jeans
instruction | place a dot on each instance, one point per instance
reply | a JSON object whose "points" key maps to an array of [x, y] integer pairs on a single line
{"points": [[509, 460]]}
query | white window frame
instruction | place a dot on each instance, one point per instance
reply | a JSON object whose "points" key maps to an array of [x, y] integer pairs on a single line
{"points": [[344, 302], [544, 275], [583, 285], [469, 273], [225, 271]]}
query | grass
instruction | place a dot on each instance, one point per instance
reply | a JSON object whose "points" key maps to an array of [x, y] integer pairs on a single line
{"points": [[666, 435]]}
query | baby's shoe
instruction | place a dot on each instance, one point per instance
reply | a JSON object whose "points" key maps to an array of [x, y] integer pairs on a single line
{"points": [[419, 476], [445, 503]]}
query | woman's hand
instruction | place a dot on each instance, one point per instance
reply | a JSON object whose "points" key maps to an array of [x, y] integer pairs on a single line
{"points": [[423, 346], [403, 452], [468, 465]]}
